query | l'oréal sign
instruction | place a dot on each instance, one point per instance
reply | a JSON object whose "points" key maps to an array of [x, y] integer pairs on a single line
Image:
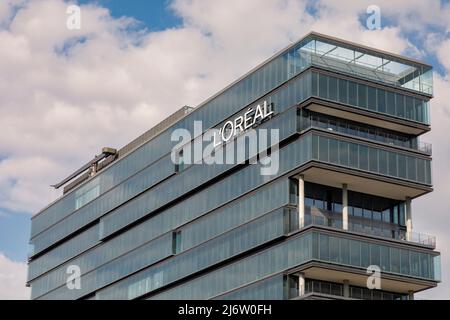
{"points": [[251, 118]]}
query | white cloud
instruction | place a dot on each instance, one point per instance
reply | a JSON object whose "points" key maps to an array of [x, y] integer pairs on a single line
{"points": [[12, 280], [58, 108]]}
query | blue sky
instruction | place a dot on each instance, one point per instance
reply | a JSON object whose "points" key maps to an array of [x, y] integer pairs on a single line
{"points": [[155, 14], [139, 82]]}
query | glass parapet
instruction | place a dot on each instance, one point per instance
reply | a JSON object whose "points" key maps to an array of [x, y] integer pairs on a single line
{"points": [[205, 225], [64, 252], [365, 63], [370, 98], [359, 253], [300, 249], [225, 246], [360, 156], [271, 288], [309, 119], [320, 217], [337, 289]]}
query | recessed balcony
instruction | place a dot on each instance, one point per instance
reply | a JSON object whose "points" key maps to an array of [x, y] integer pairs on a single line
{"points": [[360, 225], [345, 257], [309, 119]]}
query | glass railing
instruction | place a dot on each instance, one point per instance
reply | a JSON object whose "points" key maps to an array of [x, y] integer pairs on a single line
{"points": [[336, 150], [368, 64], [336, 291], [321, 217], [333, 124]]}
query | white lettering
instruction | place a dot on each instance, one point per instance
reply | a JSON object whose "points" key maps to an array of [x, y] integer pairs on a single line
{"points": [[241, 124]]}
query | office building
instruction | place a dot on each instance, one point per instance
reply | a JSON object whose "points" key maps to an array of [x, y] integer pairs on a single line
{"points": [[350, 163]]}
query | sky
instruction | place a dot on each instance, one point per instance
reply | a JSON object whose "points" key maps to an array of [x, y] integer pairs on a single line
{"points": [[66, 93]]}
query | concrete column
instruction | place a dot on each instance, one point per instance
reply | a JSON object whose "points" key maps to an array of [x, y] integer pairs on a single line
{"points": [[344, 207], [346, 289], [411, 295], [409, 225], [301, 201], [301, 284]]}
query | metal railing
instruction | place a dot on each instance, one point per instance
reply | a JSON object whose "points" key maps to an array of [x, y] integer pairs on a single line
{"points": [[320, 217]]}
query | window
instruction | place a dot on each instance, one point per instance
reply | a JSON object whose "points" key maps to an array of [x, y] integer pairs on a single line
{"points": [[334, 249], [362, 96], [333, 88], [353, 155], [365, 255], [176, 242], [363, 157], [392, 161], [323, 149], [386, 215], [390, 103], [314, 89], [345, 251], [343, 153], [381, 100], [409, 108], [375, 254], [382, 161], [421, 170], [400, 105], [355, 254], [404, 261], [395, 260], [402, 166], [415, 264], [323, 86], [352, 94], [323, 247], [334, 154], [385, 258], [373, 160], [87, 193], [343, 88], [411, 168], [372, 98]]}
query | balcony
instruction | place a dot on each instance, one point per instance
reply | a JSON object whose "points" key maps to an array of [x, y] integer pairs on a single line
{"points": [[324, 290], [320, 217], [362, 62], [332, 124], [365, 166]]}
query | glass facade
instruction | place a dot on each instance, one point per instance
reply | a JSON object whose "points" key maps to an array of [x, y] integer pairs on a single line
{"points": [[360, 156], [145, 227], [362, 63], [207, 226], [351, 128], [315, 245], [371, 98]]}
